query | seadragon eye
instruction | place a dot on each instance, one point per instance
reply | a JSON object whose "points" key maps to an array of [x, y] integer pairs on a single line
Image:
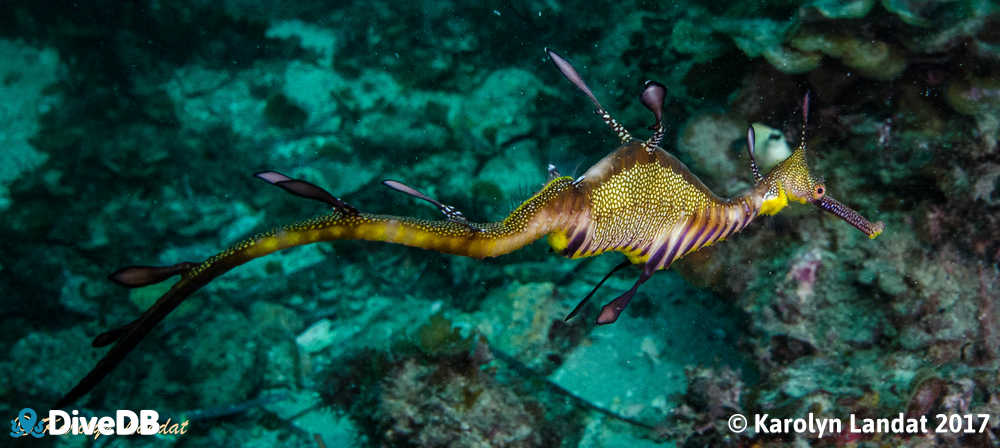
{"points": [[818, 191]]}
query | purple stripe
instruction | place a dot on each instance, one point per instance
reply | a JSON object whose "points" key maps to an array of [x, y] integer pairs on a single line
{"points": [[645, 250], [628, 245], [606, 246], [710, 227], [638, 243], [745, 219], [657, 256], [626, 242], [596, 248], [673, 249], [753, 214], [716, 230], [669, 259], [613, 244], [708, 235], [731, 229], [691, 243], [575, 243], [723, 231]]}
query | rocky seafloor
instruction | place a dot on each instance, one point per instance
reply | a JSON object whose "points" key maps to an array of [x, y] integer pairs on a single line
{"points": [[131, 130]]}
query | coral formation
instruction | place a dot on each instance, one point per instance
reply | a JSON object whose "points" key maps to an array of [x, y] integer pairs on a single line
{"points": [[428, 406], [25, 78]]}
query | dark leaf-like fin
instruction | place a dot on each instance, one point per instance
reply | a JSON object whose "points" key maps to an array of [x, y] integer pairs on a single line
{"points": [[614, 308], [751, 149], [583, 302], [136, 276], [449, 212], [125, 338], [805, 120], [805, 108], [271, 177], [653, 96], [306, 190], [570, 73]]}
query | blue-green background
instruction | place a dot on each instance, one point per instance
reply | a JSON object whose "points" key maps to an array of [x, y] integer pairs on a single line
{"points": [[130, 131]]}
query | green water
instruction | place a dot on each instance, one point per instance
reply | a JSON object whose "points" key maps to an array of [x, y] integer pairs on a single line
{"points": [[131, 132]]}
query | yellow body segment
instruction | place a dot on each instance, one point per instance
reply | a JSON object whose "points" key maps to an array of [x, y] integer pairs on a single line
{"points": [[646, 204], [771, 206], [534, 218], [558, 240], [639, 202]]}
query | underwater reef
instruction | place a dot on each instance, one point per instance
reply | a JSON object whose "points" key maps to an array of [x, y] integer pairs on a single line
{"points": [[132, 130]]}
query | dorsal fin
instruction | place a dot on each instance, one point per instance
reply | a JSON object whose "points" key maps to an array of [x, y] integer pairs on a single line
{"points": [[306, 190], [449, 212]]}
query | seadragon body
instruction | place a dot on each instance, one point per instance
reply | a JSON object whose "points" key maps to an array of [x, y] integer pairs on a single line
{"points": [[639, 200]]}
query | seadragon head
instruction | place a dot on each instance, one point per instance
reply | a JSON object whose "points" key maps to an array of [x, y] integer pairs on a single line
{"points": [[791, 180]]}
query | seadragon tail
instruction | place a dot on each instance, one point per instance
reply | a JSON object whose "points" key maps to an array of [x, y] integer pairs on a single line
{"points": [[534, 218]]}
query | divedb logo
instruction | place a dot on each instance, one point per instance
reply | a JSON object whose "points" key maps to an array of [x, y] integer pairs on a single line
{"points": [[58, 422]]}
